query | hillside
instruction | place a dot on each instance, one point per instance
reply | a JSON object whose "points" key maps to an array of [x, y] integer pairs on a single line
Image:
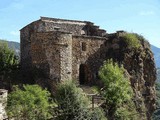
{"points": [[158, 75], [13, 45], [156, 52]]}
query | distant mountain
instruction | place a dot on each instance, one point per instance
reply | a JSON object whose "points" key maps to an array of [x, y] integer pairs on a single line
{"points": [[156, 52], [13, 45], [158, 75]]}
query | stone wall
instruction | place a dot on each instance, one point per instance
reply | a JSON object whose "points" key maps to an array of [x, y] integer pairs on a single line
{"points": [[52, 55], [3, 103], [46, 24], [50, 24], [92, 57], [73, 26]]}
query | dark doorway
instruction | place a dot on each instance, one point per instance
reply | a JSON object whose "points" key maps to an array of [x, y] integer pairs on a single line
{"points": [[83, 74]]}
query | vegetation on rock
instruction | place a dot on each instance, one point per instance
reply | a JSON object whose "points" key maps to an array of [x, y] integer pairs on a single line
{"points": [[117, 91], [131, 40], [156, 114]]}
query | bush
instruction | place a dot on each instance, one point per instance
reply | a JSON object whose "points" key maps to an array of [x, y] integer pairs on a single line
{"points": [[31, 103], [74, 104], [127, 111], [8, 60], [98, 114], [156, 114], [9, 65], [131, 40], [117, 89]]}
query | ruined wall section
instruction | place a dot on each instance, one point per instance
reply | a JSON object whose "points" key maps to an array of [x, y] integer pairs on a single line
{"points": [[25, 47], [92, 57], [76, 29], [52, 53], [25, 40], [73, 26], [3, 104]]}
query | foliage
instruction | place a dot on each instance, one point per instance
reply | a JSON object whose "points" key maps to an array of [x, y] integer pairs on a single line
{"points": [[8, 60], [29, 103], [15, 46], [156, 114], [74, 104], [127, 111], [117, 89], [131, 40], [9, 66], [157, 85], [158, 75], [98, 114]]}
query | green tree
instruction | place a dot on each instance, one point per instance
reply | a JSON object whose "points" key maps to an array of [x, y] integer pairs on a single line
{"points": [[156, 114], [29, 103], [74, 104], [8, 60], [117, 89]]}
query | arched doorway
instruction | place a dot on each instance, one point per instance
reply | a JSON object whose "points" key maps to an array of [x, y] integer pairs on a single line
{"points": [[83, 74]]}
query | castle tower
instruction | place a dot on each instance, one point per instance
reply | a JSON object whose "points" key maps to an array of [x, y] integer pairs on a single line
{"points": [[52, 53]]}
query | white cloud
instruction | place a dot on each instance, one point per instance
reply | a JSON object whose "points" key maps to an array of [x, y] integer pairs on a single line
{"points": [[15, 33], [146, 13]]}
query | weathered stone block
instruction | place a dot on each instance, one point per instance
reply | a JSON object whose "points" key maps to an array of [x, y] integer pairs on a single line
{"points": [[3, 103]]}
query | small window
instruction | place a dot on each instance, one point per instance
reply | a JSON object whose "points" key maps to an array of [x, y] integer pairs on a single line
{"points": [[57, 28], [82, 32], [84, 46]]}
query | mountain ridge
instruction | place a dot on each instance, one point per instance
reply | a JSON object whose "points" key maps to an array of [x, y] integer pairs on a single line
{"points": [[16, 47], [156, 52]]}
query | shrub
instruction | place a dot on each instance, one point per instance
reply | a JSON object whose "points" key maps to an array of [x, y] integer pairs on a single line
{"points": [[74, 104], [8, 60], [31, 103], [131, 40], [98, 114], [117, 89], [127, 111]]}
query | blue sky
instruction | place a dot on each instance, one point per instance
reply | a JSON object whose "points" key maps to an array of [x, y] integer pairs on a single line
{"points": [[140, 16]]}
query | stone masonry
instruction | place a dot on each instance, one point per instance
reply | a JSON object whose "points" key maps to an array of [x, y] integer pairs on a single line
{"points": [[59, 47], [59, 50], [3, 103]]}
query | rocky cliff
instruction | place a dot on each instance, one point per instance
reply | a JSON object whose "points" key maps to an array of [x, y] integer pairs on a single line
{"points": [[140, 66]]}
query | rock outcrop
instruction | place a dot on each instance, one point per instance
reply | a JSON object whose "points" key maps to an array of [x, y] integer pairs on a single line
{"points": [[140, 65]]}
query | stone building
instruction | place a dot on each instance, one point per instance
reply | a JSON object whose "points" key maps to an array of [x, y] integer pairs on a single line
{"points": [[57, 50], [64, 49]]}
